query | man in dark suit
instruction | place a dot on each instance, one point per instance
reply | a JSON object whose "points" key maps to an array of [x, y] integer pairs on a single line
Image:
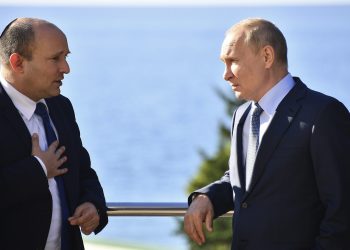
{"points": [[289, 170], [48, 189]]}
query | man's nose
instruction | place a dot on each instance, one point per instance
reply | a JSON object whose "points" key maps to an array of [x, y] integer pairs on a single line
{"points": [[227, 73], [65, 67]]}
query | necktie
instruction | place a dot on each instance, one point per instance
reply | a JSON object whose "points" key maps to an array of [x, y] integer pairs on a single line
{"points": [[253, 142], [50, 138]]}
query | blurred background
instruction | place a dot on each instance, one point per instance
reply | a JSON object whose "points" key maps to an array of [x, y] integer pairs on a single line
{"points": [[144, 81]]}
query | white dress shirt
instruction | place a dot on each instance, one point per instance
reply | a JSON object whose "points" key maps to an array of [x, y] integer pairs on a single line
{"points": [[269, 103], [34, 123]]}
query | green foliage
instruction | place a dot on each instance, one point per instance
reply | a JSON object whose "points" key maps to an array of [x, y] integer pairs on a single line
{"points": [[211, 169]]}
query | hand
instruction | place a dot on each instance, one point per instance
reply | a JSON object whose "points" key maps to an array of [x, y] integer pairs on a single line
{"points": [[200, 211], [52, 157], [85, 216]]}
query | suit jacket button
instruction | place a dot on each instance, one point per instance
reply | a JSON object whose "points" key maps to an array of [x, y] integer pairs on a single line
{"points": [[244, 205]]}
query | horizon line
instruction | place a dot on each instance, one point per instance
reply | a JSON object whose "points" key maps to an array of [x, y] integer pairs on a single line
{"points": [[172, 3]]}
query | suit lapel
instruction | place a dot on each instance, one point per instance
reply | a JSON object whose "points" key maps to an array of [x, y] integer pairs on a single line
{"points": [[239, 152], [58, 120], [11, 113], [236, 164], [285, 113]]}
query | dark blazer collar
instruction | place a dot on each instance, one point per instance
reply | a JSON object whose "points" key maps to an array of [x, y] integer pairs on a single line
{"points": [[10, 112], [57, 115], [239, 147], [285, 113]]}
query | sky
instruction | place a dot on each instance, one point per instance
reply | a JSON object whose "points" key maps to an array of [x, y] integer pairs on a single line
{"points": [[169, 2]]}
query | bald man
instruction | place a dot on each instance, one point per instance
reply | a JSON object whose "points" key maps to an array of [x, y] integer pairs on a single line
{"points": [[48, 190]]}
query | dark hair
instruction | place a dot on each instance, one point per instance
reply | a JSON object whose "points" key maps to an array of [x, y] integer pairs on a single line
{"points": [[17, 37]]}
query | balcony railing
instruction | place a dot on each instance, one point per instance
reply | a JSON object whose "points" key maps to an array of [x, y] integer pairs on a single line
{"points": [[150, 209]]}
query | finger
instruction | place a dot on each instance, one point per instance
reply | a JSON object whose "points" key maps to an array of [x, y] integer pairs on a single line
{"points": [[90, 225], [79, 219], [62, 160], [196, 238], [191, 231], [87, 231], [74, 221], [77, 213], [61, 171], [83, 213], [88, 228], [60, 151], [35, 141], [53, 146], [199, 228], [209, 222]]}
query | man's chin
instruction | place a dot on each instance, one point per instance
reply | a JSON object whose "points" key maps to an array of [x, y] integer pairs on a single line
{"points": [[238, 95], [56, 92]]}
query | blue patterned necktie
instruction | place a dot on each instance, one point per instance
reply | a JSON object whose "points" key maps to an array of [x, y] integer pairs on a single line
{"points": [[50, 138], [253, 143]]}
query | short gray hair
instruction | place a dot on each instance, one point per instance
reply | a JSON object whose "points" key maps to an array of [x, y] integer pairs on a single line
{"points": [[259, 33]]}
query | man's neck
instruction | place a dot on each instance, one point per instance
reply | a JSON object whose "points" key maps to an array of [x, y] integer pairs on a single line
{"points": [[272, 77]]}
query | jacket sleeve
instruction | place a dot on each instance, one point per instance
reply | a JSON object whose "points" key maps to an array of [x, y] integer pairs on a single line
{"points": [[90, 187], [219, 192]]}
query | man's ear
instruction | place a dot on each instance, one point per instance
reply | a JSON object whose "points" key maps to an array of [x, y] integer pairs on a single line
{"points": [[16, 62], [269, 56]]}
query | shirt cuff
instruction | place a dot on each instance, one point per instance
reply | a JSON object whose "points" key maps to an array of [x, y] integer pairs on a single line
{"points": [[42, 164]]}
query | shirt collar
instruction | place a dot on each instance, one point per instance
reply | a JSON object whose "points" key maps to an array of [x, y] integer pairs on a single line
{"points": [[24, 104], [270, 101]]}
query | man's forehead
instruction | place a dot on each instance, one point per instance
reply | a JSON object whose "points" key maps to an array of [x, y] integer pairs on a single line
{"points": [[233, 37], [226, 50], [230, 43], [50, 40]]}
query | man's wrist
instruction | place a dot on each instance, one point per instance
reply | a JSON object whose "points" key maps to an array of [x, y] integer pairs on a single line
{"points": [[196, 195]]}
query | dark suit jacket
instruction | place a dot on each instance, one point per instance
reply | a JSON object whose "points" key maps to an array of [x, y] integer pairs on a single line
{"points": [[25, 207], [300, 189]]}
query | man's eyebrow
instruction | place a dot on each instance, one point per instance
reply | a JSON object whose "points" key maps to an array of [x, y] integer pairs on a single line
{"points": [[62, 52]]}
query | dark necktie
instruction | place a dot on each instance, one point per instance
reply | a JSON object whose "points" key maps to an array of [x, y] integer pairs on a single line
{"points": [[253, 142], [50, 138]]}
